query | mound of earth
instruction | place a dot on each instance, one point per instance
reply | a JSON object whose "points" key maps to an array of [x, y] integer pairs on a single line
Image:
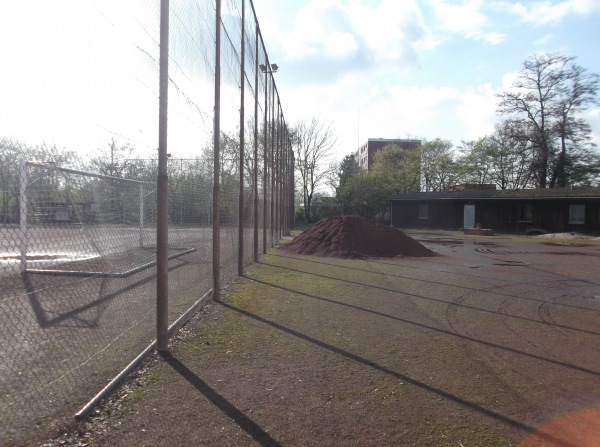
{"points": [[355, 237]]}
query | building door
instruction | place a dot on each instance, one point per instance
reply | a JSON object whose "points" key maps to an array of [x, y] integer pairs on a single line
{"points": [[469, 216]]}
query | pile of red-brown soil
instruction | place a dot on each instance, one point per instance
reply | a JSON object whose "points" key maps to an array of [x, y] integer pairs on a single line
{"points": [[355, 237]]}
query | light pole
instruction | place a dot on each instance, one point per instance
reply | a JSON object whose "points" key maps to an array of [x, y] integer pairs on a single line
{"points": [[273, 68]]}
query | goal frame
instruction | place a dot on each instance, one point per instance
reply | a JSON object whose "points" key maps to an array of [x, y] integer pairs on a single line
{"points": [[23, 224]]}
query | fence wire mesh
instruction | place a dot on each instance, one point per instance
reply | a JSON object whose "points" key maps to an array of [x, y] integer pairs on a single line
{"points": [[78, 217]]}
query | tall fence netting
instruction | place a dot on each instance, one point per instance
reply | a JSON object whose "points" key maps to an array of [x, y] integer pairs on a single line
{"points": [[78, 217]]}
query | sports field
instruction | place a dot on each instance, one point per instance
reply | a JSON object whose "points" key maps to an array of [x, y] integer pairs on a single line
{"points": [[492, 343]]}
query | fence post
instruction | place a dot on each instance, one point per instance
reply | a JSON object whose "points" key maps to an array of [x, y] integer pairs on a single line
{"points": [[242, 142], [284, 182], [292, 185], [142, 215], [162, 271], [23, 215], [255, 166], [265, 159], [277, 177], [280, 183], [216, 160], [272, 215]]}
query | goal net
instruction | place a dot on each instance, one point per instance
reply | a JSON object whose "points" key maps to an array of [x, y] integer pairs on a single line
{"points": [[84, 224]]}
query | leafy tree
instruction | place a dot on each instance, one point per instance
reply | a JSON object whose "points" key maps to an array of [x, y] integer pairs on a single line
{"points": [[113, 161], [397, 169], [313, 144], [362, 194], [502, 158], [347, 169], [12, 155], [583, 167], [476, 162], [438, 168], [324, 206]]}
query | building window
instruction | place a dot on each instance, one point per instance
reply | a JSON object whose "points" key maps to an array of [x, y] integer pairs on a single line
{"points": [[525, 214], [423, 211], [576, 214]]}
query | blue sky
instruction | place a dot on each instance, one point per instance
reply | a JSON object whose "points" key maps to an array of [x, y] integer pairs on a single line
{"points": [[416, 68]]}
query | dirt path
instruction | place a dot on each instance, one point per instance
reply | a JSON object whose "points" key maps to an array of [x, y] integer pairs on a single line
{"points": [[481, 346]]}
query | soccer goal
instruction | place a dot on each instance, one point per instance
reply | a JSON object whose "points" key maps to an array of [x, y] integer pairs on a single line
{"points": [[84, 224]]}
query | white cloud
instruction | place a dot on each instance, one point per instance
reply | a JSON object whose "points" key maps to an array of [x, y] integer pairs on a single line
{"points": [[466, 19], [335, 36], [340, 44], [477, 111], [390, 29], [550, 12], [374, 111], [508, 80], [584, 7]]}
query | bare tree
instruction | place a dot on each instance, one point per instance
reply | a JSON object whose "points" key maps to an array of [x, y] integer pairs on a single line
{"points": [[509, 157], [313, 144], [545, 103], [578, 90]]}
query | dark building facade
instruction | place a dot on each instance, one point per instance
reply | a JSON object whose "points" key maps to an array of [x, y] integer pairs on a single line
{"points": [[365, 153], [508, 211]]}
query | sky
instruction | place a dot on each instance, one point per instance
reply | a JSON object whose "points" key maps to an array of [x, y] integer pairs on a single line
{"points": [[73, 74], [416, 68], [77, 73]]}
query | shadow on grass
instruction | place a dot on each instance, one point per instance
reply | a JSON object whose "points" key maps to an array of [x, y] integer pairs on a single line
{"points": [[449, 303], [424, 386], [247, 424], [461, 275], [431, 328]]}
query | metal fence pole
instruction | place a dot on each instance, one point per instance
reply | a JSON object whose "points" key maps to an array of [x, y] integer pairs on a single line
{"points": [[242, 142], [272, 215], [255, 166], [284, 199], [289, 195], [280, 178], [292, 185], [277, 170], [283, 186], [141, 215], [23, 216], [216, 167], [265, 160], [162, 282]]}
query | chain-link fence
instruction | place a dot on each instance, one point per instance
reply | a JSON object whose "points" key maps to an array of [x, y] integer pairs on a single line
{"points": [[79, 223]]}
